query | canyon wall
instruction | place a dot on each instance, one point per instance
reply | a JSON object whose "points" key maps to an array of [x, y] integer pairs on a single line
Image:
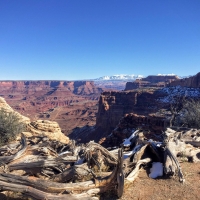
{"points": [[151, 81], [114, 105], [152, 126], [193, 82], [69, 87], [160, 78]]}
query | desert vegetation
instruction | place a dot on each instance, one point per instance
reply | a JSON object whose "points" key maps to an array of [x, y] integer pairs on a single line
{"points": [[10, 126], [190, 115]]}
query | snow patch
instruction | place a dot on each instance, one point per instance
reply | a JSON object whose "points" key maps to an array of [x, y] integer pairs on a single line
{"points": [[172, 92], [156, 170]]}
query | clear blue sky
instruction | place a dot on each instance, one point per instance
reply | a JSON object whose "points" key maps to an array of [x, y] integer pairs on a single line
{"points": [[84, 39]]}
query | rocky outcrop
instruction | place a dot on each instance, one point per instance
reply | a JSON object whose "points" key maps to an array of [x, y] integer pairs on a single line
{"points": [[151, 81], [114, 105], [4, 105], [193, 82], [41, 128], [49, 129], [150, 124]]}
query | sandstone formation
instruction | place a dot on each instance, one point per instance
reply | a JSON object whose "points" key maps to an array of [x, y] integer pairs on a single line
{"points": [[49, 129], [151, 124], [114, 105], [193, 82], [151, 81], [4, 105]]}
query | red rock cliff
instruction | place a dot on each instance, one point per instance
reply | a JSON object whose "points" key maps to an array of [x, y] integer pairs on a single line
{"points": [[193, 81], [114, 105], [74, 87], [151, 81]]}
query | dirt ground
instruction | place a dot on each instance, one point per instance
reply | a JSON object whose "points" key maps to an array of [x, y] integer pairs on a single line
{"points": [[145, 188]]}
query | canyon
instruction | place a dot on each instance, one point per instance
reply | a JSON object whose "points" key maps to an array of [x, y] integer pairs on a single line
{"points": [[91, 110], [70, 103], [148, 107]]}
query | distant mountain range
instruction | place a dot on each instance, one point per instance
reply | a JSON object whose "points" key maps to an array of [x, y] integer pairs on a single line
{"points": [[119, 77], [124, 77]]}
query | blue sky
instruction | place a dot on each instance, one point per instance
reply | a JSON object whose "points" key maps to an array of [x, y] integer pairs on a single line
{"points": [[85, 39]]}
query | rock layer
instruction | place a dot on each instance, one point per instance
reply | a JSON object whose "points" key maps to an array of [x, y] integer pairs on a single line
{"points": [[151, 81], [193, 82], [114, 105], [50, 129]]}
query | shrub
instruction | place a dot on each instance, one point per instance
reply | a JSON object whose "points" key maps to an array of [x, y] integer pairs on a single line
{"points": [[189, 115], [10, 126]]}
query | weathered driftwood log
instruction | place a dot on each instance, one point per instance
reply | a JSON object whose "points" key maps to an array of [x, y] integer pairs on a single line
{"points": [[120, 174], [7, 159], [137, 156], [75, 173], [43, 189], [42, 162], [174, 158], [109, 158], [132, 176], [50, 186], [193, 143], [171, 163], [38, 194], [9, 148], [65, 176]]}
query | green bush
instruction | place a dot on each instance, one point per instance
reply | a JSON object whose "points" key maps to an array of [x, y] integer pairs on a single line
{"points": [[10, 126]]}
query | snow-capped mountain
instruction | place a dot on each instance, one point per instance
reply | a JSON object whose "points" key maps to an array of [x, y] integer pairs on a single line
{"points": [[120, 77]]}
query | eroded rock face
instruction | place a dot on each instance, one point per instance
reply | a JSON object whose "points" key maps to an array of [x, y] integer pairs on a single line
{"points": [[114, 105], [151, 81], [193, 82], [45, 128], [4, 105], [151, 124]]}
